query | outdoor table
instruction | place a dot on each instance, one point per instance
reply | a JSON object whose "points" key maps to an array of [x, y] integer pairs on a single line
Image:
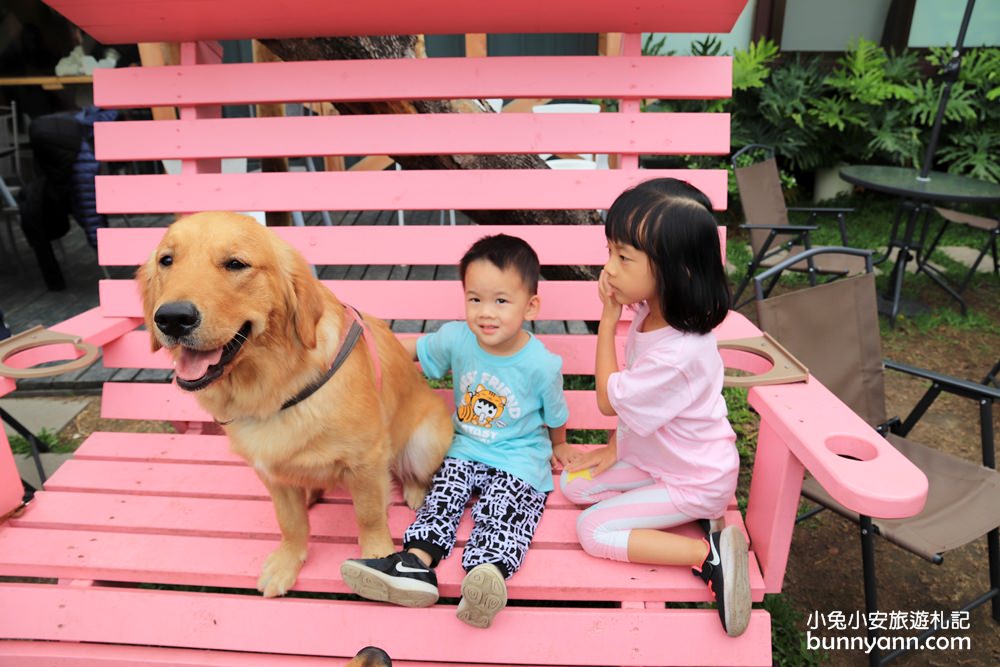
{"points": [[916, 193]]}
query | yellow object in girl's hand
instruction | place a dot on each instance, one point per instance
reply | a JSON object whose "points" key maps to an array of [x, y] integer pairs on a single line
{"points": [[585, 473]]}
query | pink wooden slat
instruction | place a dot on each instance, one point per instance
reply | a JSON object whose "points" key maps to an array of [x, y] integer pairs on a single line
{"points": [[254, 519], [134, 400], [163, 476], [163, 464], [416, 134], [120, 21], [668, 77], [232, 562], [400, 299], [162, 447], [72, 654], [577, 352], [420, 299], [158, 478], [545, 189], [555, 245], [242, 623], [215, 517]]}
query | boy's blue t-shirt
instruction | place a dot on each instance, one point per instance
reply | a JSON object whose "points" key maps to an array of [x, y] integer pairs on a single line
{"points": [[503, 404]]}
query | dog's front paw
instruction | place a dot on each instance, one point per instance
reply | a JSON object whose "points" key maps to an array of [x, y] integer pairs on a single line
{"points": [[281, 569], [414, 495]]}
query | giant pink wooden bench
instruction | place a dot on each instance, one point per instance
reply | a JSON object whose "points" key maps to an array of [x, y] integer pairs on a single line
{"points": [[182, 513]]}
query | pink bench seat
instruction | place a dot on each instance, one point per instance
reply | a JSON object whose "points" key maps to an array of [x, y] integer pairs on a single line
{"points": [[138, 548]]}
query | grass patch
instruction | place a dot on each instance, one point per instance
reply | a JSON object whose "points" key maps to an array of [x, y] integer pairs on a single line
{"points": [[55, 444], [944, 320], [788, 644]]}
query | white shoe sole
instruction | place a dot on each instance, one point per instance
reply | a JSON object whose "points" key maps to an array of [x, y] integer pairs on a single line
{"points": [[736, 574], [484, 594], [380, 587]]}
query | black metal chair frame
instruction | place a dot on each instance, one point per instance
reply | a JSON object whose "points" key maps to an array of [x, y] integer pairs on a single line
{"points": [[799, 233], [990, 246]]}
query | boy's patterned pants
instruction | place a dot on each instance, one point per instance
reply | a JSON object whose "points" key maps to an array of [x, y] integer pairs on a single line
{"points": [[504, 518]]}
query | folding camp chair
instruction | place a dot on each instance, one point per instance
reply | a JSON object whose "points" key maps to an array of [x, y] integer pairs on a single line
{"points": [[990, 225], [833, 329], [772, 238]]}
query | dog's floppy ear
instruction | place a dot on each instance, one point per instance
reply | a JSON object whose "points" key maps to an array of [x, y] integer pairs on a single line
{"points": [[304, 297], [144, 281]]}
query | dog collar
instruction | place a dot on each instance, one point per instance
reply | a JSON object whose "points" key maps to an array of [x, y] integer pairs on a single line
{"points": [[348, 341]]}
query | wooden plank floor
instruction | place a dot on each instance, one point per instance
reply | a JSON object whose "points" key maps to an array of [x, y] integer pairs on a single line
{"points": [[25, 302]]}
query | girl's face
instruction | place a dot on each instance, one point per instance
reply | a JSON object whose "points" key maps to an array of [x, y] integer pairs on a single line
{"points": [[497, 303], [630, 274]]}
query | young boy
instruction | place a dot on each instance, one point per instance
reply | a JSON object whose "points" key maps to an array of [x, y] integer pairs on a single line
{"points": [[509, 426]]}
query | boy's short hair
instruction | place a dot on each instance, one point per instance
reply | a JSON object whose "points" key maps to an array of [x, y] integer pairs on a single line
{"points": [[503, 252]]}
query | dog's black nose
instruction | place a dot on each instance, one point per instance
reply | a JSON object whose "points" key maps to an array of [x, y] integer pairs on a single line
{"points": [[177, 318]]}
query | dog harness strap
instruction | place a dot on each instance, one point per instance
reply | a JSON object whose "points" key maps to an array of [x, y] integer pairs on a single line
{"points": [[372, 349], [345, 349], [357, 329]]}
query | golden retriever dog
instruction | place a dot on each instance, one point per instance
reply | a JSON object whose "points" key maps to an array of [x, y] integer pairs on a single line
{"points": [[250, 328]]}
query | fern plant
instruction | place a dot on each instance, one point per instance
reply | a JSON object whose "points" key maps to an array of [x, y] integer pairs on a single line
{"points": [[970, 136], [974, 153], [857, 106]]}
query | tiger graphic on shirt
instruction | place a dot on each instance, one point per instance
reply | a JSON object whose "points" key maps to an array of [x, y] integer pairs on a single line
{"points": [[481, 407]]}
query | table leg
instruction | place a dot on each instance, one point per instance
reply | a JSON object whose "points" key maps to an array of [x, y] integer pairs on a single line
{"points": [[893, 303], [932, 271]]}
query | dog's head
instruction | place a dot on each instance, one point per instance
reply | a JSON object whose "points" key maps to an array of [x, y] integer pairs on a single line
{"points": [[219, 284], [370, 656]]}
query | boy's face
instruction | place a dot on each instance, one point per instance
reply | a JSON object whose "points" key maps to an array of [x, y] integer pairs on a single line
{"points": [[497, 303]]}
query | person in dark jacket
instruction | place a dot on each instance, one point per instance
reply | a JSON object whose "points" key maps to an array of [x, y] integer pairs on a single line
{"points": [[65, 168]]}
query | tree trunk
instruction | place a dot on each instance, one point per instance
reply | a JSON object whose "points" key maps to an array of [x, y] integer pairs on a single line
{"points": [[412, 46]]}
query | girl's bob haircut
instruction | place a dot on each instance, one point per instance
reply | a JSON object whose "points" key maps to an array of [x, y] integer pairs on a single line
{"points": [[672, 222]]}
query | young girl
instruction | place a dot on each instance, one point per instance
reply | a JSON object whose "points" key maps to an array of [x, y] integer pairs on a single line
{"points": [[672, 459]]}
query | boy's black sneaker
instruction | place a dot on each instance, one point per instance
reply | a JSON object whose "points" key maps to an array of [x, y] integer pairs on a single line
{"points": [[726, 571], [401, 579]]}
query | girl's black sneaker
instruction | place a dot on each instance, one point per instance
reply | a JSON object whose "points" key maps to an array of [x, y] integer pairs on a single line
{"points": [[726, 570]]}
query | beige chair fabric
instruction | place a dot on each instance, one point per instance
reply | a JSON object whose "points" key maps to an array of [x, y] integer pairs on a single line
{"points": [[962, 503], [810, 323], [762, 199], [989, 225]]}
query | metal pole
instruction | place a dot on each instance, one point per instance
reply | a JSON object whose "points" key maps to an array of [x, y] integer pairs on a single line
{"points": [[950, 75]]}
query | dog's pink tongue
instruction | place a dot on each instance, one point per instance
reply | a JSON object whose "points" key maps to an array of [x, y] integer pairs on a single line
{"points": [[193, 364]]}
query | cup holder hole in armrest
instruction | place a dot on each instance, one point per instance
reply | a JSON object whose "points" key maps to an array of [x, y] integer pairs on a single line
{"points": [[852, 448]]}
